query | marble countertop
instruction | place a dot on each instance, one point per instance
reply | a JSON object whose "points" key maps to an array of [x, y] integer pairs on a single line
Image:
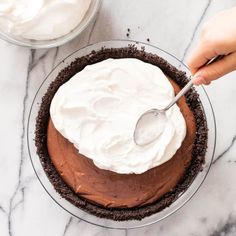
{"points": [[26, 209]]}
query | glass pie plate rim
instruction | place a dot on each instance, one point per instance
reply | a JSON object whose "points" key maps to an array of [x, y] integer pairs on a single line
{"points": [[87, 217]]}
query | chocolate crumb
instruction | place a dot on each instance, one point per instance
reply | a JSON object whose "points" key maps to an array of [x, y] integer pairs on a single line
{"points": [[128, 29], [199, 146], [148, 39], [127, 34]]}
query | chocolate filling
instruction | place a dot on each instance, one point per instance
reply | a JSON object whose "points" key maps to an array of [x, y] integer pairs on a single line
{"points": [[198, 151]]}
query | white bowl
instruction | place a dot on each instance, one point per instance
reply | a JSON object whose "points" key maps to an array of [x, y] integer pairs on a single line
{"points": [[88, 18]]}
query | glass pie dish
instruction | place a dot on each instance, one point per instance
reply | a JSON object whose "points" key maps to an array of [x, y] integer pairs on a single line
{"points": [[182, 199], [87, 19]]}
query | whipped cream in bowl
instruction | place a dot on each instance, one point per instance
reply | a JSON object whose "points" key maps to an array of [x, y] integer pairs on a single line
{"points": [[45, 23]]}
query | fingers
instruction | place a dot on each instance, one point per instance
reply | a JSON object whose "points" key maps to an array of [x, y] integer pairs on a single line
{"points": [[218, 38], [200, 56], [215, 70]]}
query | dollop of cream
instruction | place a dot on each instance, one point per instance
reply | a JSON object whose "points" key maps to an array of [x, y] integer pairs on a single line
{"points": [[41, 19], [97, 110]]}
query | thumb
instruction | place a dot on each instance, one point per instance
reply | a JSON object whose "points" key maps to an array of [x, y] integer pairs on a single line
{"points": [[215, 70]]}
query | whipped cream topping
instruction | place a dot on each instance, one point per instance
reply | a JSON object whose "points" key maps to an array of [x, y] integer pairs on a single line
{"points": [[41, 19], [97, 110]]}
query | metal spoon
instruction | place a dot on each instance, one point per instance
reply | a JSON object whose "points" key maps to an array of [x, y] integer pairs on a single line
{"points": [[154, 119]]}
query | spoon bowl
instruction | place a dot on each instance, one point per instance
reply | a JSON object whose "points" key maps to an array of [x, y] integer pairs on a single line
{"points": [[149, 127], [151, 123]]}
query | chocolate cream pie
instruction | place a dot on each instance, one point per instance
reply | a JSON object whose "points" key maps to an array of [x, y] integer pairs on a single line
{"points": [[84, 127]]}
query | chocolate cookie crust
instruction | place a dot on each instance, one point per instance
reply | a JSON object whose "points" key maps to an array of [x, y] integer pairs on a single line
{"points": [[199, 147]]}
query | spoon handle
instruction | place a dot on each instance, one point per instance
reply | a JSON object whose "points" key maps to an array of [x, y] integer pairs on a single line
{"points": [[180, 94], [190, 83]]}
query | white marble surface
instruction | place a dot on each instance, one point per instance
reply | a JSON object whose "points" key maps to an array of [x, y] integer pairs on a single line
{"points": [[26, 209]]}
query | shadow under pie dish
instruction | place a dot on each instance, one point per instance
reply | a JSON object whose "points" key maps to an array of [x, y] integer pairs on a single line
{"points": [[124, 196]]}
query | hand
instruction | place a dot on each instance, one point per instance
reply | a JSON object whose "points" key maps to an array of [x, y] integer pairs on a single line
{"points": [[218, 38]]}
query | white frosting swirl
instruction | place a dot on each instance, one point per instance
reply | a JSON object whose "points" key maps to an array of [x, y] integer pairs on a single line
{"points": [[97, 110], [41, 19]]}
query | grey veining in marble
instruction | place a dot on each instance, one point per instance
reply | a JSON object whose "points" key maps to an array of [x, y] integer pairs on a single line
{"points": [[26, 209]]}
